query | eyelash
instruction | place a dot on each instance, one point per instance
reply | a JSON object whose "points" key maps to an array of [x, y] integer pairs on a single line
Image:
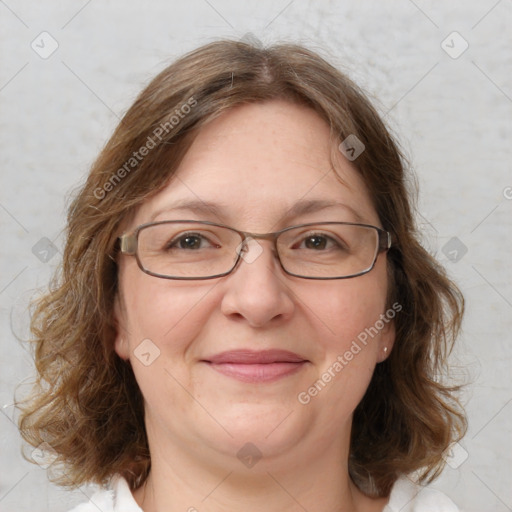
{"points": [[170, 245]]}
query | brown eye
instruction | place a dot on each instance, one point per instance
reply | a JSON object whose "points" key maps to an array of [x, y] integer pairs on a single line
{"points": [[320, 242], [191, 241]]}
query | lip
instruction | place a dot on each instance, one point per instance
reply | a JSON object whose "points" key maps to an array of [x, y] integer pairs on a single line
{"points": [[256, 366], [256, 357]]}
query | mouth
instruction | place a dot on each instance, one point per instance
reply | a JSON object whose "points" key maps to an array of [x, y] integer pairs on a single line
{"points": [[257, 366]]}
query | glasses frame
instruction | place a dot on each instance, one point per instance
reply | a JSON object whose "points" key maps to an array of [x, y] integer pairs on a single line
{"points": [[128, 244]]}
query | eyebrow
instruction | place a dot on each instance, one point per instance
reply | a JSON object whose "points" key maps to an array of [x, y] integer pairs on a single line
{"points": [[220, 211]]}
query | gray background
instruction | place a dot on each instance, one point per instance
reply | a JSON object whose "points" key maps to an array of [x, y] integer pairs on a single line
{"points": [[451, 110]]}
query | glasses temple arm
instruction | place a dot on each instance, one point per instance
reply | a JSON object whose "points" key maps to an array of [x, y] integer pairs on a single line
{"points": [[128, 243]]}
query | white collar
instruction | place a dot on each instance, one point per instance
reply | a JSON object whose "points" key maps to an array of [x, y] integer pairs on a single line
{"points": [[405, 496]]}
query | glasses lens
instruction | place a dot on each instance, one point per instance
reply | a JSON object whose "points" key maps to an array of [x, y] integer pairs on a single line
{"points": [[328, 250], [190, 250], [187, 249]]}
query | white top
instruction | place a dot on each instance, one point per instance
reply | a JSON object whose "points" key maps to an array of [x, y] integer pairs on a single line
{"points": [[405, 497]]}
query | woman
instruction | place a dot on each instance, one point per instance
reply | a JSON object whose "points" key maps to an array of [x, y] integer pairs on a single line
{"points": [[245, 319]]}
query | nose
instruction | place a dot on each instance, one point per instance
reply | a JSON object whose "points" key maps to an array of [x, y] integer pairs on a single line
{"points": [[257, 289]]}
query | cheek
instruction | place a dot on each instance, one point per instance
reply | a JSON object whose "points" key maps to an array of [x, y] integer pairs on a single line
{"points": [[351, 346], [350, 308], [162, 320], [169, 313], [347, 345]]}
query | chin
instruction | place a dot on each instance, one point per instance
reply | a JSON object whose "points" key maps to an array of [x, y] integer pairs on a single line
{"points": [[272, 428]]}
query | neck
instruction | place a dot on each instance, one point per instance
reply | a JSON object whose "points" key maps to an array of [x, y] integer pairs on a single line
{"points": [[215, 483]]}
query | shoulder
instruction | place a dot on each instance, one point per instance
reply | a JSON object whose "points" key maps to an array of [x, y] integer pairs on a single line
{"points": [[407, 496], [116, 498]]}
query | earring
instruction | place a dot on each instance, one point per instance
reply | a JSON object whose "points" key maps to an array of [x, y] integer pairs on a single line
{"points": [[385, 350]]}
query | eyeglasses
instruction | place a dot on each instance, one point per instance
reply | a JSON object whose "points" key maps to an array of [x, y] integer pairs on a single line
{"points": [[189, 249]]}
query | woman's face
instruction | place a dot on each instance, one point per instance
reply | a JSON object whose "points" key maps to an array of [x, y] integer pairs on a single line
{"points": [[255, 163]]}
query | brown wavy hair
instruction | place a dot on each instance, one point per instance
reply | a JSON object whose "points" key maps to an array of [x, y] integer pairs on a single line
{"points": [[86, 403]]}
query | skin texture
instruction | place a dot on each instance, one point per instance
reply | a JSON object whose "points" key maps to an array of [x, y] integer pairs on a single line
{"points": [[256, 161]]}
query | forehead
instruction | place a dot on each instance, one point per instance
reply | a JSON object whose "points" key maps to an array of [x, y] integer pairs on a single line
{"points": [[255, 162]]}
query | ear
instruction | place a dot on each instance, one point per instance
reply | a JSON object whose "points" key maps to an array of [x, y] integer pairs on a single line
{"points": [[386, 341], [121, 343]]}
